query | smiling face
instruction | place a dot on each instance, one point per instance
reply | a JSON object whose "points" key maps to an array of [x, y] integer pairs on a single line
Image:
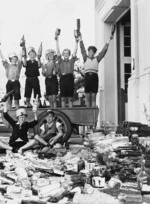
{"points": [[50, 56], [14, 60], [21, 119], [91, 53], [49, 118], [32, 55], [66, 54]]}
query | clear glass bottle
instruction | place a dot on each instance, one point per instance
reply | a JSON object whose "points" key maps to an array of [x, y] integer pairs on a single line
{"points": [[142, 176]]}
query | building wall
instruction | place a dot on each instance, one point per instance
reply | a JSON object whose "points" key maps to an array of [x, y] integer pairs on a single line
{"points": [[139, 83]]}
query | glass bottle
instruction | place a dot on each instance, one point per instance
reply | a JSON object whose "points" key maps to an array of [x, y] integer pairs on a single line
{"points": [[142, 176]]}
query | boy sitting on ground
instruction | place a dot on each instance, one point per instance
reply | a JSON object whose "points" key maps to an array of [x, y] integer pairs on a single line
{"points": [[50, 134], [20, 128]]}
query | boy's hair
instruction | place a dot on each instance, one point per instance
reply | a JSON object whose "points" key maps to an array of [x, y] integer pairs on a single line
{"points": [[31, 49], [12, 57], [93, 48], [67, 50], [49, 112]]}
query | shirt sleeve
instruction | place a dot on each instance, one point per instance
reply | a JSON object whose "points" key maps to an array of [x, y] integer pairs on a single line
{"points": [[42, 128], [83, 51], [102, 53], [43, 70], [9, 119], [32, 123], [73, 59], [58, 125], [59, 59], [5, 64]]}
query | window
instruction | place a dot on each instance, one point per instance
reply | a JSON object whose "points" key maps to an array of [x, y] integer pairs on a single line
{"points": [[127, 74], [127, 41]]}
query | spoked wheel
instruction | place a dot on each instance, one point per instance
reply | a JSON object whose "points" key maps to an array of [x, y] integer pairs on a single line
{"points": [[61, 118]]}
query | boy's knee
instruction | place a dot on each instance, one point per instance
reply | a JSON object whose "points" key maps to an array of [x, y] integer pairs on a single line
{"points": [[36, 137]]}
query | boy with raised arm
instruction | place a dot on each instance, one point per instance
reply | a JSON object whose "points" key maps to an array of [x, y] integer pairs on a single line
{"points": [[49, 71], [20, 128], [91, 63], [32, 72], [13, 73], [66, 70]]}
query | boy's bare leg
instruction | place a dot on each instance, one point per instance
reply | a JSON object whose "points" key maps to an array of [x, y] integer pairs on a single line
{"points": [[16, 104], [54, 98], [5, 146], [93, 100], [30, 144], [70, 99], [9, 104], [63, 102], [40, 140], [88, 97], [50, 101], [28, 101]]}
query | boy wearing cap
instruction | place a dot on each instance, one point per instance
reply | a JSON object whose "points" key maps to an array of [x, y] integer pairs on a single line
{"points": [[13, 73], [91, 64], [20, 128], [66, 70], [50, 134], [32, 72], [49, 71]]}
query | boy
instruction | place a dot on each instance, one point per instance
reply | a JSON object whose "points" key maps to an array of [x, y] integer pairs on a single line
{"points": [[51, 82], [91, 64], [66, 69], [50, 134], [20, 128], [13, 73], [32, 72]]}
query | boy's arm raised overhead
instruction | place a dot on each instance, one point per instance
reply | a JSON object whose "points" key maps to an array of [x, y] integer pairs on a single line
{"points": [[83, 50], [105, 48], [24, 57], [1, 56], [57, 47], [76, 47]]}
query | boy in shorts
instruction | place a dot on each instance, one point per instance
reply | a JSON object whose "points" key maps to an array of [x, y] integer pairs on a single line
{"points": [[13, 73], [49, 71], [32, 72], [91, 64], [66, 71], [20, 128], [50, 134]]}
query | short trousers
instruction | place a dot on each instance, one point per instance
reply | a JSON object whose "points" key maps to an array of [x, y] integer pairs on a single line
{"points": [[32, 83], [16, 145], [51, 85], [67, 85], [47, 139], [91, 82], [14, 85]]}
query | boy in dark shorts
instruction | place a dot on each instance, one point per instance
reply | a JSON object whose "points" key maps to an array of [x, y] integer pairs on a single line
{"points": [[49, 71], [91, 64], [20, 128], [66, 70], [32, 72], [13, 73], [50, 134]]}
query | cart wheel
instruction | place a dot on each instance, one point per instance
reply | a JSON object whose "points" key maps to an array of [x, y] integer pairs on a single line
{"points": [[61, 118]]}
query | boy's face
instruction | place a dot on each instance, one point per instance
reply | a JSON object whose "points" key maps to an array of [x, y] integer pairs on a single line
{"points": [[66, 54], [91, 53], [32, 55], [14, 60], [21, 119], [50, 56], [49, 118]]}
